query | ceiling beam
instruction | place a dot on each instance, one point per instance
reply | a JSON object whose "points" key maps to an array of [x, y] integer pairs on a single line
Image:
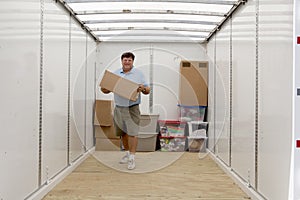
{"points": [[149, 21], [166, 1], [144, 11], [149, 29]]}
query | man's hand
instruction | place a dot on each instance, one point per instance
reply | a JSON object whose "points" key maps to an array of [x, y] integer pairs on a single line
{"points": [[143, 89], [105, 91]]}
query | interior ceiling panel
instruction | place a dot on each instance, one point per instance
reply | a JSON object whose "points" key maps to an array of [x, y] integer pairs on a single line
{"points": [[152, 20]]}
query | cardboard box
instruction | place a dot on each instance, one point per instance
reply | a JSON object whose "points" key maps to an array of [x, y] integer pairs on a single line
{"points": [[104, 113], [121, 86], [107, 132], [193, 83], [107, 144]]}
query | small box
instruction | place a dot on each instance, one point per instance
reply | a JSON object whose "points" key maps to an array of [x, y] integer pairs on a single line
{"points": [[146, 141], [104, 113], [103, 144], [197, 144], [148, 122], [191, 113], [171, 128], [176, 144], [119, 85]]}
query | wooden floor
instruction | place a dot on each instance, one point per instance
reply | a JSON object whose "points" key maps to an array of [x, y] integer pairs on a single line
{"points": [[158, 175]]}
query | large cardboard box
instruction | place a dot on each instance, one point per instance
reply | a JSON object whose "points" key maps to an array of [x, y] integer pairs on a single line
{"points": [[119, 85], [105, 132], [104, 113], [107, 144], [193, 83]]}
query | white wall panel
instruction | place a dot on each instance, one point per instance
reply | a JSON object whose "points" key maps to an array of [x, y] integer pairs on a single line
{"points": [[275, 99], [19, 116], [55, 93], [78, 84], [166, 62], [222, 97], [211, 94], [295, 170], [90, 91], [243, 92]]}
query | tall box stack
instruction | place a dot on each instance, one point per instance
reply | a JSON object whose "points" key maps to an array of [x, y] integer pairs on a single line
{"points": [[106, 139], [193, 100], [193, 83], [147, 134]]}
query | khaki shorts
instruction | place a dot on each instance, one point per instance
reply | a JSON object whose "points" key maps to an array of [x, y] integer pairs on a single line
{"points": [[127, 120]]}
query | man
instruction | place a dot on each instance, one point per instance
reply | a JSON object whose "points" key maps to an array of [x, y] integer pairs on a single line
{"points": [[127, 112]]}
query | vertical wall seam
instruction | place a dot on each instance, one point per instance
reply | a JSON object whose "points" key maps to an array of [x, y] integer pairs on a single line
{"points": [[41, 93], [95, 94], [256, 90], [230, 90], [151, 80], [215, 69], [69, 90], [85, 91]]}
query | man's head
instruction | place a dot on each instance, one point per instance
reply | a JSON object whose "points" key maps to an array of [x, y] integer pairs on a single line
{"points": [[127, 59]]}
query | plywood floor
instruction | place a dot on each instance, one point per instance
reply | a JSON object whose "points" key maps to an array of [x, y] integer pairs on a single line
{"points": [[158, 175]]}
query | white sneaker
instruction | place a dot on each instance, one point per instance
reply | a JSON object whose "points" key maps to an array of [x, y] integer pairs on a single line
{"points": [[124, 159], [131, 164]]}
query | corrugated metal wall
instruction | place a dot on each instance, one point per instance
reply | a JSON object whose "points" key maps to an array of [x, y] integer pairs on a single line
{"points": [[252, 96]]}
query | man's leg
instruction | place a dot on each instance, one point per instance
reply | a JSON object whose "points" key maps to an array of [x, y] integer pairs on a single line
{"points": [[125, 141], [133, 140]]}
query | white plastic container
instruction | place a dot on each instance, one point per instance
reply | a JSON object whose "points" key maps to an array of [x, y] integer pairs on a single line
{"points": [[146, 141], [148, 122]]}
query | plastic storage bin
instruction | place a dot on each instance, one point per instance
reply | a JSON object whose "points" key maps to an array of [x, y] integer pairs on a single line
{"points": [[146, 141], [175, 144], [196, 125], [191, 113], [171, 128], [148, 123], [197, 136], [197, 144]]}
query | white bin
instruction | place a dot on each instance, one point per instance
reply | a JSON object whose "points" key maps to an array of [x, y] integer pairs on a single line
{"points": [[146, 141]]}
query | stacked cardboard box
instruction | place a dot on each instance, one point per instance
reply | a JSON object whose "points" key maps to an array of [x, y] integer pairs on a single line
{"points": [[106, 139]]}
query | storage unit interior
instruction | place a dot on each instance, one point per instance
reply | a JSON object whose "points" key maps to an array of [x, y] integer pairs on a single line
{"points": [[54, 53]]}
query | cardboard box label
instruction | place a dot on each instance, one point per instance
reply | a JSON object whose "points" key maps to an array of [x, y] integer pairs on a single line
{"points": [[121, 86]]}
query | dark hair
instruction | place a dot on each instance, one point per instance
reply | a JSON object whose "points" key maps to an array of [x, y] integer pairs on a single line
{"points": [[127, 55]]}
